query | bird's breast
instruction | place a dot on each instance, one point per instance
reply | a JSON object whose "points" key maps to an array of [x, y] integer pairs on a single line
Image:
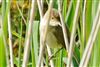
{"points": [[52, 41]]}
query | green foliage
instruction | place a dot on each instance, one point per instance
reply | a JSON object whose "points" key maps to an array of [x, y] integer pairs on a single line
{"points": [[2, 51], [35, 49], [19, 29]]}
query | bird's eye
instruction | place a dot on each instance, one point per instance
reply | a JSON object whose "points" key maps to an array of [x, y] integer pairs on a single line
{"points": [[52, 18]]}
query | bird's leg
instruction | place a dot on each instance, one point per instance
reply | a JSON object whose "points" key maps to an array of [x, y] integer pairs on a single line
{"points": [[53, 55]]}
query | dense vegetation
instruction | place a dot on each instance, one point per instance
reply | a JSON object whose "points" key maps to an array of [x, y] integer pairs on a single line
{"points": [[20, 34]]}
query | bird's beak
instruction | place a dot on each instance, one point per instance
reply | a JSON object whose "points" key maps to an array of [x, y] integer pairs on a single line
{"points": [[54, 22]]}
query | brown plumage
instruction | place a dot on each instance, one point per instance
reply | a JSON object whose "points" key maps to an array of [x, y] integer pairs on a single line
{"points": [[55, 37]]}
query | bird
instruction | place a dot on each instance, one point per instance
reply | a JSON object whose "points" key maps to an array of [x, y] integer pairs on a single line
{"points": [[55, 38]]}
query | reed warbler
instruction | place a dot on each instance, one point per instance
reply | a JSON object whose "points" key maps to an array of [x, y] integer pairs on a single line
{"points": [[55, 37]]}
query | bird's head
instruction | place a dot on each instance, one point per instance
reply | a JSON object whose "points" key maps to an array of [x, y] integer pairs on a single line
{"points": [[54, 19]]}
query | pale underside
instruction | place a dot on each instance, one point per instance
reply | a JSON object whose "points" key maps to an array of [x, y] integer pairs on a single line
{"points": [[54, 37]]}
